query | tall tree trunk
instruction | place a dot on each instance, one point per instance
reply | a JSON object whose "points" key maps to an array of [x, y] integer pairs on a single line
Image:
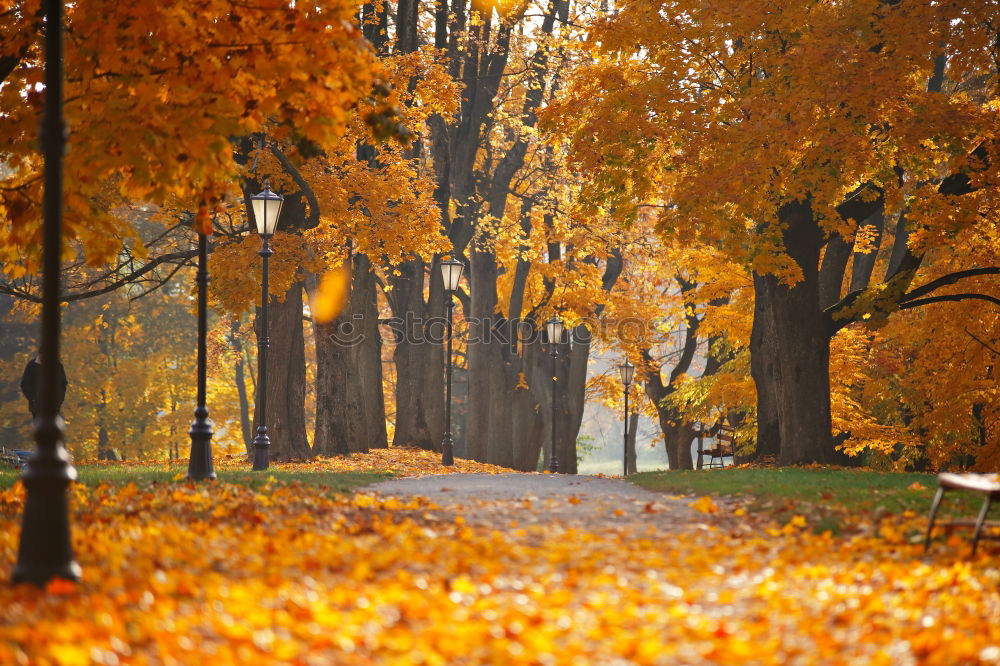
{"points": [[503, 376], [419, 360], [103, 444], [669, 445], [798, 345], [350, 407], [286, 378], [531, 406], [677, 438], [683, 438], [369, 356], [241, 391], [339, 426], [482, 351], [763, 369], [575, 368]]}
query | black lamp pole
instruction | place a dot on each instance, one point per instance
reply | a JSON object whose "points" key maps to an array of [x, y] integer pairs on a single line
{"points": [[448, 443], [625, 447], [554, 457], [45, 550], [262, 442], [554, 329], [266, 207], [451, 274], [200, 463], [626, 370]]}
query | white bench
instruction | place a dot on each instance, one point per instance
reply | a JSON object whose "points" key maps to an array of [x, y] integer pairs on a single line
{"points": [[987, 485]]}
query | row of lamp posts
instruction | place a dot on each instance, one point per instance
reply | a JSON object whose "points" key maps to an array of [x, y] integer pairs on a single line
{"points": [[266, 207], [451, 274], [45, 549]]}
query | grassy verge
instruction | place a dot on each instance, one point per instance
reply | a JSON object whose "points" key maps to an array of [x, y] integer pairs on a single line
{"points": [[338, 482], [832, 498]]}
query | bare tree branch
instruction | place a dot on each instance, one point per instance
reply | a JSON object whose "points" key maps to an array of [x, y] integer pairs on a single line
{"points": [[950, 278], [312, 221], [132, 276], [972, 335], [949, 297]]}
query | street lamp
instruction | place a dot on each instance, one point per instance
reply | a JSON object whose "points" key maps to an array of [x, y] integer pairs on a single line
{"points": [[451, 273], [45, 550], [626, 370], [200, 461], [266, 207], [554, 329]]}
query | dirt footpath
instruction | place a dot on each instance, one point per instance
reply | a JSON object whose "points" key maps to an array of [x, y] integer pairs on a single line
{"points": [[570, 501]]}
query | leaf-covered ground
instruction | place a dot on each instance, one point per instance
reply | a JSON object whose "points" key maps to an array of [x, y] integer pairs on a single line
{"points": [[289, 572], [340, 473], [398, 461], [831, 498]]}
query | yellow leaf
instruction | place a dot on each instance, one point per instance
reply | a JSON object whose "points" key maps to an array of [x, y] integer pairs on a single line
{"points": [[705, 505], [332, 294]]}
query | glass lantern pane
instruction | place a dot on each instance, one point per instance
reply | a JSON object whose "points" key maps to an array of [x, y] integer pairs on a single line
{"points": [[555, 329], [451, 273], [259, 206]]}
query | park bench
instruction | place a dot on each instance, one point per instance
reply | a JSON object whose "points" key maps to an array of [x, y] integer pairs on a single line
{"points": [[725, 444], [987, 485], [15, 458], [12, 458]]}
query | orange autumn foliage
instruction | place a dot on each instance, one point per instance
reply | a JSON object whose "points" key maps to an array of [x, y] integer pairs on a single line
{"points": [[398, 461], [719, 115], [287, 573], [154, 94]]}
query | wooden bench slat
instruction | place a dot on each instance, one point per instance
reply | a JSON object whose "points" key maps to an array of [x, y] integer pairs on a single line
{"points": [[979, 483]]}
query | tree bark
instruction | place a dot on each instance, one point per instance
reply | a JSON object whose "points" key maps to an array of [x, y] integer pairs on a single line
{"points": [[482, 350], [575, 369], [350, 407], [369, 355], [763, 369], [419, 360], [531, 408], [286, 378], [242, 366], [798, 346], [241, 391]]}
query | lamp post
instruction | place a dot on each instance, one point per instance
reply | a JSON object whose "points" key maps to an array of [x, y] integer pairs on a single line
{"points": [[626, 370], [200, 463], [45, 550], [451, 273], [554, 329], [266, 208]]}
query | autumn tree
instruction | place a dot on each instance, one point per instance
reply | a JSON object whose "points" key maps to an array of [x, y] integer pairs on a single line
{"points": [[131, 375], [155, 98], [680, 313], [775, 131], [152, 117], [503, 204]]}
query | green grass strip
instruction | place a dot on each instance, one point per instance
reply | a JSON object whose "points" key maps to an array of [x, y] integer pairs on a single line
{"points": [[338, 482], [836, 489]]}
